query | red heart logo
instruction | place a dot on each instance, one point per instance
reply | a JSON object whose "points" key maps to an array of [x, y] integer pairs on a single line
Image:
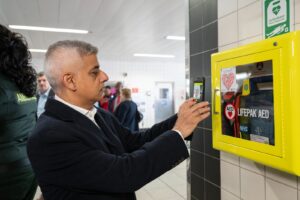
{"points": [[228, 79]]}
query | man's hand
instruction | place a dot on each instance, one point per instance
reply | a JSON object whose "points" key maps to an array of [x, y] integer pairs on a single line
{"points": [[189, 115]]}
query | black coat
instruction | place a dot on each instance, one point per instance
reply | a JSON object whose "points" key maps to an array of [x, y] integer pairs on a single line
{"points": [[75, 160], [128, 115], [17, 120]]}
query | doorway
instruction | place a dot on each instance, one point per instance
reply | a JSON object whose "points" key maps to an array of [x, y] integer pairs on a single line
{"points": [[164, 101]]}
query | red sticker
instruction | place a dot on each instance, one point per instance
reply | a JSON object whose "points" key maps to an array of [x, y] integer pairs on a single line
{"points": [[228, 80], [229, 111]]}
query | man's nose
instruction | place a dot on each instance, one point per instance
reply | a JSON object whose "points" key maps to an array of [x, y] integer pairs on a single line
{"points": [[104, 77]]}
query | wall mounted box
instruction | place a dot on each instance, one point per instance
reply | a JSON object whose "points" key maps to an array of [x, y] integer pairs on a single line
{"points": [[256, 101]]}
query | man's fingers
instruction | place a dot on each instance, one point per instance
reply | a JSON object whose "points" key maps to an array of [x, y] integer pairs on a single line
{"points": [[198, 106], [188, 103], [192, 109], [200, 117], [203, 110], [191, 101], [190, 114], [204, 116]]}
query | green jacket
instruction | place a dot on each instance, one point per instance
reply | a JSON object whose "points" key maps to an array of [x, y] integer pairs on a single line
{"points": [[17, 120]]}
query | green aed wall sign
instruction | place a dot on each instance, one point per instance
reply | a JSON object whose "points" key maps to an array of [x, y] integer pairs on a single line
{"points": [[276, 17]]}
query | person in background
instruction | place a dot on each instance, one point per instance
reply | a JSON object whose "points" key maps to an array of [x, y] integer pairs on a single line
{"points": [[116, 99], [79, 153], [127, 112], [44, 91], [106, 98], [17, 116]]}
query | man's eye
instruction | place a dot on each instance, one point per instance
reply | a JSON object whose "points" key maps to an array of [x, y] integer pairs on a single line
{"points": [[95, 72]]}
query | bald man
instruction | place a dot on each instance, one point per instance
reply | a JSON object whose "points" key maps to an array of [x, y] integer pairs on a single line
{"points": [[79, 153]]}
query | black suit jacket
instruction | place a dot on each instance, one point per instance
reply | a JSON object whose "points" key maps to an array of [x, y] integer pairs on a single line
{"points": [[75, 160], [127, 114]]}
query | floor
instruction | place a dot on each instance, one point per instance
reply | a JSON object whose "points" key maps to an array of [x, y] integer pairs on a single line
{"points": [[170, 186]]}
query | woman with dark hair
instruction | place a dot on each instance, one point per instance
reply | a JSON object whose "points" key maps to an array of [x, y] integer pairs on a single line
{"points": [[17, 116]]}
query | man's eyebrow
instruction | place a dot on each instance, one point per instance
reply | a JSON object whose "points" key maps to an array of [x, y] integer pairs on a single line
{"points": [[96, 67]]}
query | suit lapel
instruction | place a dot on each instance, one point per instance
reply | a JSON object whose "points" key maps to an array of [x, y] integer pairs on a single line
{"points": [[113, 139], [89, 126], [63, 112], [103, 131]]}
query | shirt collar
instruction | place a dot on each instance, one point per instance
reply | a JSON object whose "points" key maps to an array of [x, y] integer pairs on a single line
{"points": [[88, 113], [45, 93]]}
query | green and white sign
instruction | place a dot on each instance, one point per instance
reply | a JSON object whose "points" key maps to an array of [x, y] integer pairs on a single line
{"points": [[276, 17]]}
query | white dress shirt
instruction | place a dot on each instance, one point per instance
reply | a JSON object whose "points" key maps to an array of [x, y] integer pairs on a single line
{"points": [[42, 101], [88, 113]]}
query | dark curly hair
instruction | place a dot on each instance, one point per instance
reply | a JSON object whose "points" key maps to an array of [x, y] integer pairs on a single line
{"points": [[14, 61]]}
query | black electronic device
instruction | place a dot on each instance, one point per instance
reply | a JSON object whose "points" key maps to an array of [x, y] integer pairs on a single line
{"points": [[199, 89]]}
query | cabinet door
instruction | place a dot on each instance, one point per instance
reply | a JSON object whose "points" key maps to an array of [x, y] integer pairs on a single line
{"points": [[243, 103]]}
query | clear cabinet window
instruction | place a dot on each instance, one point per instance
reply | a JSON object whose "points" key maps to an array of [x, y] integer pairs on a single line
{"points": [[247, 102]]}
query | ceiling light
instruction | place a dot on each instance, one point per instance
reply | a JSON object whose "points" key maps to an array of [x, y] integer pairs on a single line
{"points": [[153, 55], [36, 28], [170, 37], [38, 50]]}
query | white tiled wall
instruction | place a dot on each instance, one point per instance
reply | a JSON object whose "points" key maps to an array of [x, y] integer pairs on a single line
{"points": [[226, 7], [252, 185], [297, 14], [287, 179], [279, 191], [252, 166], [228, 22], [250, 20], [243, 3], [241, 22], [225, 195], [244, 179], [230, 178], [250, 40]]}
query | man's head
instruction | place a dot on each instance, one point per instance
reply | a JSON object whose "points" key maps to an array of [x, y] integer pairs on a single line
{"points": [[118, 87], [74, 73], [107, 90], [43, 84], [126, 93]]}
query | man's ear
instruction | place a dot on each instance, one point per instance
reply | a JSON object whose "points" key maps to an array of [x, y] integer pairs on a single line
{"points": [[69, 81]]}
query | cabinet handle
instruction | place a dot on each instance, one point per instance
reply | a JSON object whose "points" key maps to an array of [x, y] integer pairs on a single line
{"points": [[216, 102]]}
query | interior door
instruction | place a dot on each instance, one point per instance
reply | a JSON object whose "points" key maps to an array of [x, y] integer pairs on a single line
{"points": [[164, 101]]}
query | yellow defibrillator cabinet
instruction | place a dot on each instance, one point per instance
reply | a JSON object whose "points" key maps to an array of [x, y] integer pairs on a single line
{"points": [[256, 101]]}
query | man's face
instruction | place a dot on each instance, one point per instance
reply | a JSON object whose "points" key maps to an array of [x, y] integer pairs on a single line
{"points": [[107, 91], [43, 84], [119, 86], [90, 80]]}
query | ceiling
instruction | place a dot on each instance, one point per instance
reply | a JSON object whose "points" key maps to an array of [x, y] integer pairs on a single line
{"points": [[118, 28]]}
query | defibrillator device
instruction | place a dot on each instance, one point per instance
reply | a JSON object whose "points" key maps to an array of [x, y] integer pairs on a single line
{"points": [[255, 101]]}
